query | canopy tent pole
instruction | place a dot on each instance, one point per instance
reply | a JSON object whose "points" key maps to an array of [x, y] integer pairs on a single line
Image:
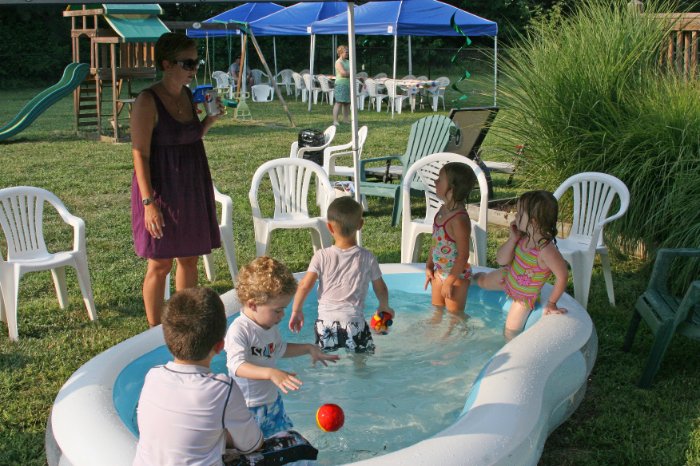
{"points": [[273, 80], [334, 48], [311, 67], [495, 68], [274, 53], [353, 107], [393, 84], [410, 57]]}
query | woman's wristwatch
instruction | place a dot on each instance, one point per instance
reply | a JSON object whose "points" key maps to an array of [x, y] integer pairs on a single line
{"points": [[148, 200]]}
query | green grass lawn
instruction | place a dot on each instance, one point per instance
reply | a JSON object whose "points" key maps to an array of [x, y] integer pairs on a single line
{"points": [[617, 423]]}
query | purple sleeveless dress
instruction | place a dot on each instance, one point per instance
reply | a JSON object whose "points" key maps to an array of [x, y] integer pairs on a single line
{"points": [[182, 188]]}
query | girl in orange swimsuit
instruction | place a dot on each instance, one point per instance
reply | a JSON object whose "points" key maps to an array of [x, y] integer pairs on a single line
{"points": [[447, 270], [529, 258]]}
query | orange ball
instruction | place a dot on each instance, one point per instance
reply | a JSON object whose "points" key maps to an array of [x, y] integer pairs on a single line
{"points": [[330, 417]]}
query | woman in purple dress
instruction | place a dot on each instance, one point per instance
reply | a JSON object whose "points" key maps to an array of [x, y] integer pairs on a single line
{"points": [[173, 215]]}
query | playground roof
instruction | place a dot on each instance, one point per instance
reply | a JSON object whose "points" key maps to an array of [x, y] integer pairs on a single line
{"points": [[243, 14], [135, 22]]}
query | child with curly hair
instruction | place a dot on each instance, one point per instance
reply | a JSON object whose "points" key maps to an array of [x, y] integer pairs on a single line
{"points": [[253, 342]]}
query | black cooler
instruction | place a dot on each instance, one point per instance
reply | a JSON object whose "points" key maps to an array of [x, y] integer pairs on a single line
{"points": [[312, 138]]}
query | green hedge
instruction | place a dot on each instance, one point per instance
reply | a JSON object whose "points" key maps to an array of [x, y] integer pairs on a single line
{"points": [[587, 93]]}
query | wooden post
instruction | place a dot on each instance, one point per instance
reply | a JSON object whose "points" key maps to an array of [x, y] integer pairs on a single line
{"points": [[272, 78]]}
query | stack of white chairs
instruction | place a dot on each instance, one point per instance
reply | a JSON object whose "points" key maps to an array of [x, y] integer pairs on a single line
{"points": [[284, 78], [375, 98], [299, 88], [362, 94], [258, 76], [395, 99], [439, 91], [326, 89], [311, 89], [290, 180], [224, 83]]}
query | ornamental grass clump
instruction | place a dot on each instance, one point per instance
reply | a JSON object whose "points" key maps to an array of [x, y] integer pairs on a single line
{"points": [[588, 92]]}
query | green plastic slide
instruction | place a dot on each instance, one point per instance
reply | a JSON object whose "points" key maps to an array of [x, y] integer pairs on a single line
{"points": [[73, 75]]}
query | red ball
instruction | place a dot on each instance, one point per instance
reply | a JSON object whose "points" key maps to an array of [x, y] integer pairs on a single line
{"points": [[330, 417]]}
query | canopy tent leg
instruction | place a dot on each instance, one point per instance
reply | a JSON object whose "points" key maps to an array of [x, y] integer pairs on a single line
{"points": [[273, 81], [495, 68], [396, 42], [334, 48], [353, 106], [311, 67], [410, 57]]}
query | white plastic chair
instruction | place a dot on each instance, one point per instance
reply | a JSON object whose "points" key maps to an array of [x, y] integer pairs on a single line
{"points": [[326, 89], [311, 88], [426, 171], [362, 94], [333, 152], [298, 152], [224, 83], [262, 93], [290, 179], [593, 195], [374, 96], [395, 99], [258, 76], [284, 78], [439, 92], [299, 88], [226, 233], [21, 217]]}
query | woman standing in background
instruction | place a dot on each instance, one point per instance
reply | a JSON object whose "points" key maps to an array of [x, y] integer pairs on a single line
{"points": [[342, 85], [173, 215]]}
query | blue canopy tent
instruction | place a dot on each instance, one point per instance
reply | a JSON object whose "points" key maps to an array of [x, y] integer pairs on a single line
{"points": [[412, 18], [296, 20], [245, 13]]}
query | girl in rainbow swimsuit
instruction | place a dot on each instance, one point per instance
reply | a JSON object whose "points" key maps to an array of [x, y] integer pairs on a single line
{"points": [[529, 257], [447, 270]]}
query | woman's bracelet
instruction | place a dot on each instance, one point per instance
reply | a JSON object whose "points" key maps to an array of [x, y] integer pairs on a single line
{"points": [[552, 303]]}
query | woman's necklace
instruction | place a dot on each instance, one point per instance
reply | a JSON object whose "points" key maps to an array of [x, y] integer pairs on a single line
{"points": [[174, 100]]}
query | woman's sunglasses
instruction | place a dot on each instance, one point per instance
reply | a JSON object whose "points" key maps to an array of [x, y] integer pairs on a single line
{"points": [[190, 64]]}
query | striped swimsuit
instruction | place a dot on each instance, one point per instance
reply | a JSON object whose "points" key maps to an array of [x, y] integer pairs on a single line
{"points": [[445, 250], [523, 278]]}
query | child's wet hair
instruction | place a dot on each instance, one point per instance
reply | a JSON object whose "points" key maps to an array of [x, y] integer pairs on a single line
{"points": [[194, 320], [460, 179], [264, 279], [346, 213], [542, 208]]}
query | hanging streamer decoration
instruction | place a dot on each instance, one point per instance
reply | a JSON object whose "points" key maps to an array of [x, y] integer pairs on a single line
{"points": [[455, 57]]}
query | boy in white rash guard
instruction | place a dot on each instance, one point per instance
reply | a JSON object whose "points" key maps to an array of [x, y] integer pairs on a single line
{"points": [[186, 414]]}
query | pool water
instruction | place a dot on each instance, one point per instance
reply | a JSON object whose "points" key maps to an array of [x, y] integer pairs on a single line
{"points": [[414, 386]]}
